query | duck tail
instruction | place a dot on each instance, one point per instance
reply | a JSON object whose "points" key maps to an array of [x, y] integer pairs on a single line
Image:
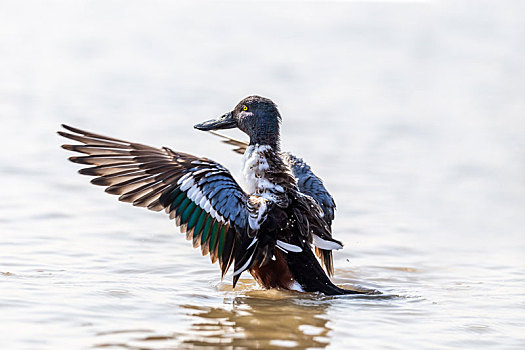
{"points": [[307, 271]]}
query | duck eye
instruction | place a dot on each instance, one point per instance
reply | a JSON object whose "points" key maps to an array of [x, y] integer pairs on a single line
{"points": [[244, 108]]}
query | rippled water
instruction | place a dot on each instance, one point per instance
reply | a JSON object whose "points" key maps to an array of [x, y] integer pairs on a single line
{"points": [[411, 112]]}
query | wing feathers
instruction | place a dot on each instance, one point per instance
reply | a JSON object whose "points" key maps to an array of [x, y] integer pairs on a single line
{"points": [[239, 144], [159, 178], [90, 141], [101, 160], [103, 170]]}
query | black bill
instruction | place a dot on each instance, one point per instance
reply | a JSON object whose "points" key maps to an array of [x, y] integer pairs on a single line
{"points": [[225, 121]]}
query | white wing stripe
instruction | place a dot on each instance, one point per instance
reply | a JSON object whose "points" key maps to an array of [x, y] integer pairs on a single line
{"points": [[189, 182], [216, 215], [207, 206], [202, 202], [183, 178], [191, 192], [324, 244], [198, 196], [253, 242], [244, 267], [195, 194], [289, 247]]}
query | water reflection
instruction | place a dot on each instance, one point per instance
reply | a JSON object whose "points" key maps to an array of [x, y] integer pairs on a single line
{"points": [[247, 317], [262, 320], [254, 319]]}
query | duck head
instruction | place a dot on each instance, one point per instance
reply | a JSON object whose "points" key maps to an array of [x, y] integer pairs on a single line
{"points": [[257, 116]]}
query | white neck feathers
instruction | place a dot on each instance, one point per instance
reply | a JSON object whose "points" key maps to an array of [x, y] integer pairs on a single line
{"points": [[254, 170]]}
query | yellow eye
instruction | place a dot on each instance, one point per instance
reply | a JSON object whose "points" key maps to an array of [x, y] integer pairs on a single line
{"points": [[244, 108]]}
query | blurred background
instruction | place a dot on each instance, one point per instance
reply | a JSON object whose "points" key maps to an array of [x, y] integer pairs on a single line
{"points": [[412, 112]]}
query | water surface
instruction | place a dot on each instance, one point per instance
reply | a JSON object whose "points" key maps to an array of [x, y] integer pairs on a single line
{"points": [[411, 112]]}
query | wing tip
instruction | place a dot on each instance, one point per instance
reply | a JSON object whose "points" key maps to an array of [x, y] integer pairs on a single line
{"points": [[87, 171], [72, 129], [100, 181]]}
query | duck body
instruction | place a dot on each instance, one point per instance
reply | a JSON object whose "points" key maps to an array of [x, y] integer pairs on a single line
{"points": [[271, 228], [285, 220]]}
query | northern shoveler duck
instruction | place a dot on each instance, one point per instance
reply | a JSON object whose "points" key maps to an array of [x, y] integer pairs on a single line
{"points": [[272, 229]]}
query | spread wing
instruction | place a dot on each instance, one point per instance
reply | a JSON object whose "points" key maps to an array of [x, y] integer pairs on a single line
{"points": [[239, 144], [199, 193], [313, 186]]}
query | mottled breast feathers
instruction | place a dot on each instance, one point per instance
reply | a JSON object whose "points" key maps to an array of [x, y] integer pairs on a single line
{"points": [[307, 182]]}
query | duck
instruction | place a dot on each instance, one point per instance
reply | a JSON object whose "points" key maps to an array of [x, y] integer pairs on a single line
{"points": [[277, 228]]}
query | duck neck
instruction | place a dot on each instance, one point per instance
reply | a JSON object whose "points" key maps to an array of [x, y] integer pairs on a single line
{"points": [[268, 141], [266, 133]]}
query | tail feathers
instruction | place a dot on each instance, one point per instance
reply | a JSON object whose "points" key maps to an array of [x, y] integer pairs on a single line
{"points": [[309, 274], [326, 260]]}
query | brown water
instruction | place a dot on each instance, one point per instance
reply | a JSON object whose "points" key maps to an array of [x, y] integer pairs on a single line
{"points": [[412, 113]]}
